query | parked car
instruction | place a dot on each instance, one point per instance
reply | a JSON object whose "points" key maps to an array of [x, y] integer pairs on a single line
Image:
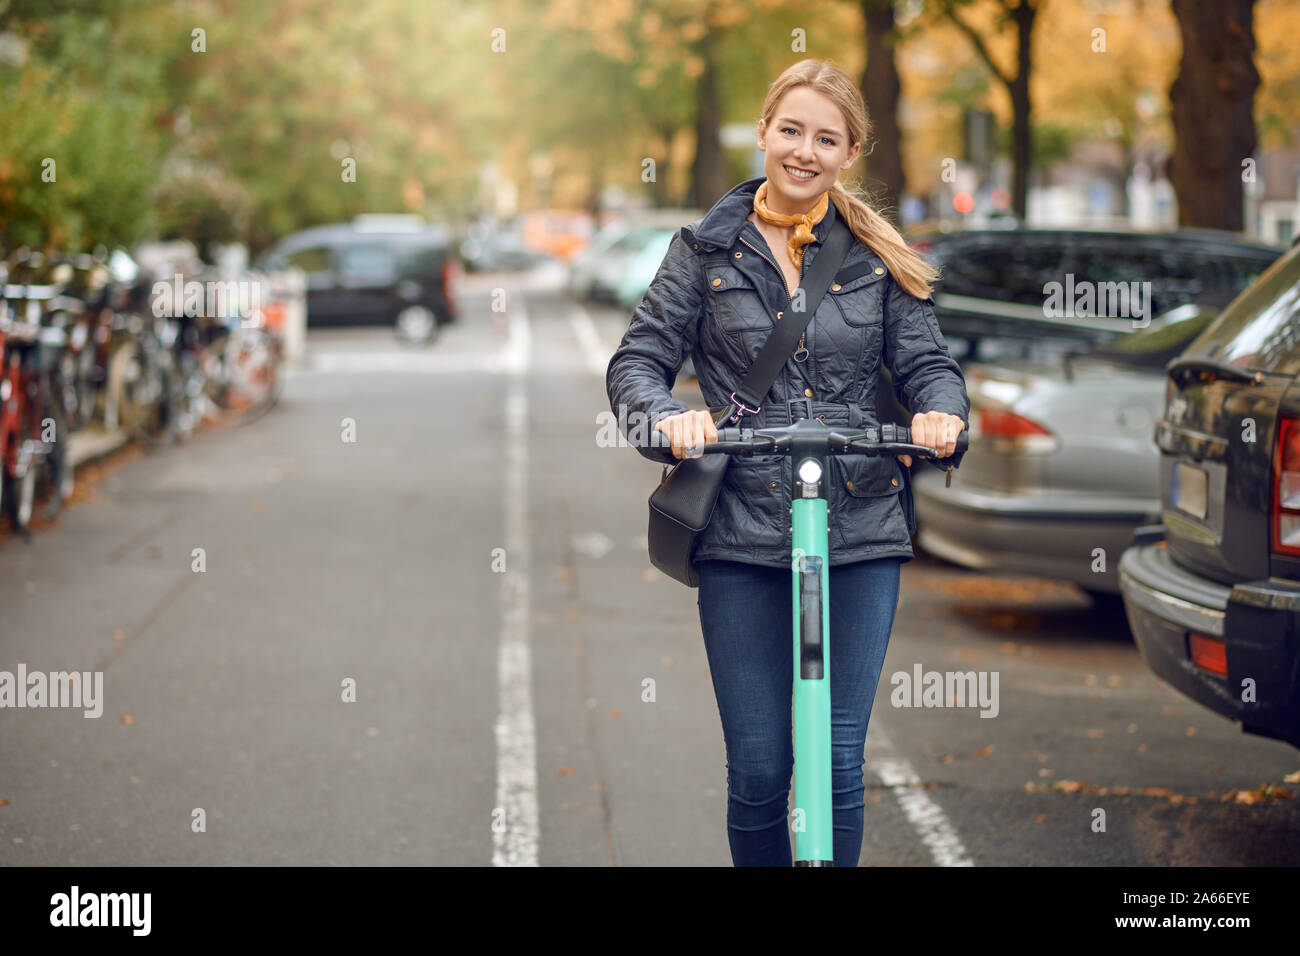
{"points": [[608, 274], [1060, 462], [500, 251], [990, 300], [594, 261], [1212, 592], [640, 268], [376, 269]]}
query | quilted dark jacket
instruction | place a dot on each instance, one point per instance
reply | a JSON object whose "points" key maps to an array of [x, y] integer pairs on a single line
{"points": [[714, 298]]}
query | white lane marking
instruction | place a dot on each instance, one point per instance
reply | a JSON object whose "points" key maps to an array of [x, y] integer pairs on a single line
{"points": [[516, 735], [596, 355], [926, 816], [513, 356]]}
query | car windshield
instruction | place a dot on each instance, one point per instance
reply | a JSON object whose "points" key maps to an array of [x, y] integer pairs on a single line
{"points": [[1260, 330], [635, 240]]}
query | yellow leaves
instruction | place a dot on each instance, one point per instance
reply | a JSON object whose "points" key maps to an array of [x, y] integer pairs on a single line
{"points": [[982, 752], [1082, 786], [1264, 793]]}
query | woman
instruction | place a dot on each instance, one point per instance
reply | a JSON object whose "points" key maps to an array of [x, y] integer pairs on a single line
{"points": [[724, 282]]}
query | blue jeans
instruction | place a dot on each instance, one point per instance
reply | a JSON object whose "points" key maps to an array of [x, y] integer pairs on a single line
{"points": [[745, 616]]}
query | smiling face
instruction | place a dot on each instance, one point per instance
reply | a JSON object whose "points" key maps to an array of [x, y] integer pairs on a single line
{"points": [[807, 133]]}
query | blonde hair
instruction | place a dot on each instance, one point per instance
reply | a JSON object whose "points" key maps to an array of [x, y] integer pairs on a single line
{"points": [[912, 272]]}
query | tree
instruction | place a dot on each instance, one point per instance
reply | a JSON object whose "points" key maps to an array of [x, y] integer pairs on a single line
{"points": [[881, 91], [1213, 100], [1021, 13]]}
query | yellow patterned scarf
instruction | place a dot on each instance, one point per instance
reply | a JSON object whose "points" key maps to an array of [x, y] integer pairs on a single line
{"points": [[803, 233]]}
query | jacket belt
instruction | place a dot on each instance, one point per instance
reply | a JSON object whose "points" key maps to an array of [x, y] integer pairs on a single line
{"points": [[832, 413]]}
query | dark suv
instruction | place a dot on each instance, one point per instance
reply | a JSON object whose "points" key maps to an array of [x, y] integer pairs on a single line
{"points": [[1213, 591], [376, 269]]}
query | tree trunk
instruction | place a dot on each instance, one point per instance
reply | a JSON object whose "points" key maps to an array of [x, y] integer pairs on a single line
{"points": [[709, 173], [880, 89], [1022, 134], [659, 188], [1212, 101]]}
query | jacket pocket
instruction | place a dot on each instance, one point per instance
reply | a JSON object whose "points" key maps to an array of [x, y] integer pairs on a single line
{"points": [[734, 300], [868, 476], [860, 296], [754, 503], [865, 502]]}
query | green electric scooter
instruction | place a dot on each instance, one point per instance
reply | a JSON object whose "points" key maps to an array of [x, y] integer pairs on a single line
{"points": [[809, 443]]}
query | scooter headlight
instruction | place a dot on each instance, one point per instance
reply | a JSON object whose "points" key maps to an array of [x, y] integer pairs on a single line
{"points": [[810, 472]]}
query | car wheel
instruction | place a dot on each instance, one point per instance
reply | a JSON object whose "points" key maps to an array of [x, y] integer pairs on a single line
{"points": [[417, 325]]}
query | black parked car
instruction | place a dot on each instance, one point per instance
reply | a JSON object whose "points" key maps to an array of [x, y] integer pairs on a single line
{"points": [[990, 300], [1213, 591], [376, 269]]}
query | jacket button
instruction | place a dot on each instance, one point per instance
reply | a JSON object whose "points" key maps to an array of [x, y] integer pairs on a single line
{"points": [[879, 271], [738, 255], [808, 392], [771, 484], [848, 485], [695, 245], [717, 282], [778, 316], [835, 287], [894, 482]]}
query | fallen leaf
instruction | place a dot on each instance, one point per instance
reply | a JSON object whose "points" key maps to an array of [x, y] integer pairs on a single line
{"points": [[564, 772], [1040, 818], [128, 719], [1094, 732], [983, 751], [616, 713], [1069, 786]]}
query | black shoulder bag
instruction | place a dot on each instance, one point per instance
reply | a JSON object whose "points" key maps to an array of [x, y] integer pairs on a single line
{"points": [[682, 506]]}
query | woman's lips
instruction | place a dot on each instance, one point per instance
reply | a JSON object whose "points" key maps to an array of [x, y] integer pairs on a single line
{"points": [[798, 179]]}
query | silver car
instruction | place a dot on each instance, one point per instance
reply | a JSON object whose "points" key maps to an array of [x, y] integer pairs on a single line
{"points": [[1062, 466]]}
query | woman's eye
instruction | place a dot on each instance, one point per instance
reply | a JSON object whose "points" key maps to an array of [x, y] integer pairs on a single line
{"points": [[825, 139]]}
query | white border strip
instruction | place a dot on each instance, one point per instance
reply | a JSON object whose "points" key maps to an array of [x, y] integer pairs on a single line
{"points": [[516, 735]]}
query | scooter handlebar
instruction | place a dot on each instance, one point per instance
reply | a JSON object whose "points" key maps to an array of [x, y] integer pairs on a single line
{"points": [[886, 440]]}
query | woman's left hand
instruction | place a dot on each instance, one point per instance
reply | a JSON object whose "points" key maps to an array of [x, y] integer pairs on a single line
{"points": [[938, 430]]}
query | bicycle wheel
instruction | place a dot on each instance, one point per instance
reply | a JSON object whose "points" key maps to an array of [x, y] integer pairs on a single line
{"points": [[142, 402]]}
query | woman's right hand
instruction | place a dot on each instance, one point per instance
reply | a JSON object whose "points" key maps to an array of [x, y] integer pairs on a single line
{"points": [[689, 429]]}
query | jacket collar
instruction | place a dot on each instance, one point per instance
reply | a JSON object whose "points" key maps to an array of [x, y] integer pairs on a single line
{"points": [[721, 226]]}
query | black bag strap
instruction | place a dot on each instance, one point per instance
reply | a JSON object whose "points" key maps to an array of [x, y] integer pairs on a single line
{"points": [[781, 342]]}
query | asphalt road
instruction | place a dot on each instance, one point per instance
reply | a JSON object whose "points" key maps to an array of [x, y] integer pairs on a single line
{"points": [[473, 565]]}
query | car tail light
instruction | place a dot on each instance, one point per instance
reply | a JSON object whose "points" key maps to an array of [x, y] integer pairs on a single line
{"points": [[1009, 432], [1285, 503], [451, 283], [1208, 653]]}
